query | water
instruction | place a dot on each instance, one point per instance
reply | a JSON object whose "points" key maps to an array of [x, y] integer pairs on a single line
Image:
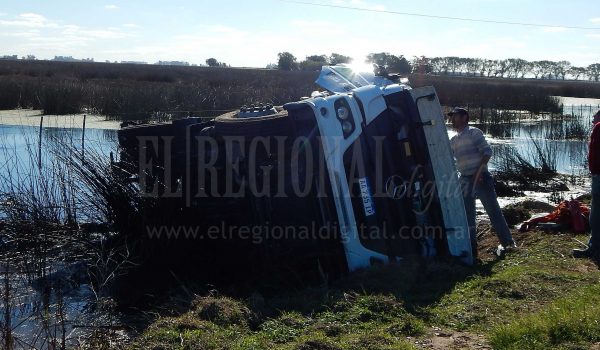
{"points": [[42, 309], [19, 141], [39, 308], [22, 167], [569, 156]]}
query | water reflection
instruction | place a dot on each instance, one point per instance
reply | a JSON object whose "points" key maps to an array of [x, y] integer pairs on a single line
{"points": [[44, 308], [46, 302], [568, 156], [20, 145]]}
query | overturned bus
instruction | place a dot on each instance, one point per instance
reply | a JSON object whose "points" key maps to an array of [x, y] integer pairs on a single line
{"points": [[359, 174]]}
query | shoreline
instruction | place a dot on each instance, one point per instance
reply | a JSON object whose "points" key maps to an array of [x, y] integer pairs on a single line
{"points": [[30, 117]]}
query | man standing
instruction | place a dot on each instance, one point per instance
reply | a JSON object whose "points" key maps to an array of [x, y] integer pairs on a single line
{"points": [[472, 154], [593, 249]]}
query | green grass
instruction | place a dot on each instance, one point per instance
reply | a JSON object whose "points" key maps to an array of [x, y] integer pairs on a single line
{"points": [[355, 321], [539, 273], [536, 298], [568, 322]]}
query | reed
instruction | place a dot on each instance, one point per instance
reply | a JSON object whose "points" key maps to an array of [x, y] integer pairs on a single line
{"points": [[69, 210], [534, 171], [130, 92], [575, 129]]}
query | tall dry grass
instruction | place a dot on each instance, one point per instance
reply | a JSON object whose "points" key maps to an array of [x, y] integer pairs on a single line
{"points": [[129, 91], [504, 94], [68, 210]]}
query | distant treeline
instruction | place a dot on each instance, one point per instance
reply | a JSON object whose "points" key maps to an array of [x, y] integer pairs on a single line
{"points": [[131, 91], [452, 65], [507, 68]]}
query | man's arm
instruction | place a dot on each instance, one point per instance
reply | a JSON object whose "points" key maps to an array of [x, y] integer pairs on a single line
{"points": [[486, 153], [482, 166]]}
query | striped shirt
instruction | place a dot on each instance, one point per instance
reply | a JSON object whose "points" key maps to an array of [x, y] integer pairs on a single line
{"points": [[469, 147]]}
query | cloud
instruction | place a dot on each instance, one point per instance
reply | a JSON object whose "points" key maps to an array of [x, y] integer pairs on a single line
{"points": [[224, 42], [25, 34], [29, 20], [310, 28], [595, 20], [27, 25], [509, 43], [130, 25], [111, 7], [593, 36], [81, 34], [555, 29], [219, 41], [583, 58], [33, 33]]}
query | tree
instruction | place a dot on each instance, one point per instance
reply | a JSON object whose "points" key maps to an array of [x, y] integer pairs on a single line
{"points": [[541, 69], [421, 65], [472, 65], [453, 64], [577, 72], [462, 64], [549, 69], [560, 69], [487, 68], [515, 67], [336, 58], [438, 65], [314, 62], [390, 63], [527, 66], [538, 69], [212, 62], [593, 71], [501, 68], [286, 61]]}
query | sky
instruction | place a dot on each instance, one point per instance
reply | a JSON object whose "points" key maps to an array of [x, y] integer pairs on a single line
{"points": [[252, 33]]}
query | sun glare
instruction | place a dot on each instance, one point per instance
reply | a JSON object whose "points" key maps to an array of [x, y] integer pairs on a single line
{"points": [[361, 67]]}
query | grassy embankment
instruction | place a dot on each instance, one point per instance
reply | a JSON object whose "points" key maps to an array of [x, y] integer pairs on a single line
{"points": [[536, 298]]}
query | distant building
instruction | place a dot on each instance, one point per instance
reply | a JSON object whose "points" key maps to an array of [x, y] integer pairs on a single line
{"points": [[71, 59], [134, 62], [172, 63], [64, 58], [9, 57]]}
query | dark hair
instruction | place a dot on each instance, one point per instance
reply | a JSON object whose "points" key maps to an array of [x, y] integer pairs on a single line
{"points": [[459, 112]]}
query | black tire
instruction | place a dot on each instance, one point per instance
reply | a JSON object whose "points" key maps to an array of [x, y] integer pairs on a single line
{"points": [[229, 124]]}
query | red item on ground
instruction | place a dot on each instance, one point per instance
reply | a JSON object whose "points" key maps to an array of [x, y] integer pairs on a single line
{"points": [[577, 219], [568, 213]]}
